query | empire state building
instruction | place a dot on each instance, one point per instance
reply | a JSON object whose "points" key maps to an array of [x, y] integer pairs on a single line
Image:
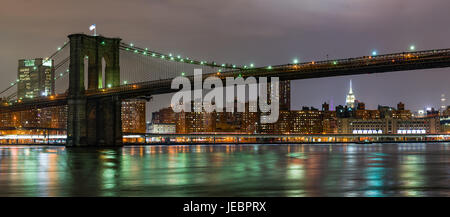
{"points": [[350, 101]]}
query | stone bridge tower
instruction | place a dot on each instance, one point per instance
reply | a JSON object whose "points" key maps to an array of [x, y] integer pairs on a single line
{"points": [[93, 122]]}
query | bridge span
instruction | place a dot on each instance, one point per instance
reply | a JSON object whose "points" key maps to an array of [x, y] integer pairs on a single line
{"points": [[94, 108]]}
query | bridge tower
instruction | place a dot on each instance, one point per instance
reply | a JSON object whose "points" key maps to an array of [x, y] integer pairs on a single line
{"points": [[93, 122]]}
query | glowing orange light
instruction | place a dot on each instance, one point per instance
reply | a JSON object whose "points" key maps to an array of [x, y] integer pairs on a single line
{"points": [[313, 62], [393, 61]]}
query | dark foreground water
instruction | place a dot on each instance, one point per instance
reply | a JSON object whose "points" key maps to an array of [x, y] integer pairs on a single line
{"points": [[228, 170]]}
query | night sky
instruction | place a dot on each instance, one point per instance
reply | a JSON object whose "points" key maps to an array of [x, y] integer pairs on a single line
{"points": [[264, 32]]}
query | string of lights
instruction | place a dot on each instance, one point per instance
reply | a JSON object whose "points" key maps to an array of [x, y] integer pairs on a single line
{"points": [[146, 52]]}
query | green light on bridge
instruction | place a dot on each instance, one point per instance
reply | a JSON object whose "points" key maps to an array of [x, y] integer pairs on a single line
{"points": [[125, 82], [103, 43], [182, 73], [269, 67], [109, 85]]}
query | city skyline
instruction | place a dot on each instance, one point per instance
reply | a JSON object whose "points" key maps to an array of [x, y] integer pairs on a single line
{"points": [[245, 101], [269, 35], [163, 100]]}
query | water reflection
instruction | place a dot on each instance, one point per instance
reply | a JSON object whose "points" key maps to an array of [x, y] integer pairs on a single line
{"points": [[227, 170]]}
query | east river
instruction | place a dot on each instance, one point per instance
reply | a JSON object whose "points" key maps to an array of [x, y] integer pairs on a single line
{"points": [[369, 170]]}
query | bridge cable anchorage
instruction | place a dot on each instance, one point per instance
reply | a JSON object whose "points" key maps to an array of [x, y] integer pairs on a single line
{"points": [[51, 57]]}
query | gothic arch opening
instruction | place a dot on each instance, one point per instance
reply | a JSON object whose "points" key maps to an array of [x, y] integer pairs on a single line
{"points": [[86, 72], [102, 83]]}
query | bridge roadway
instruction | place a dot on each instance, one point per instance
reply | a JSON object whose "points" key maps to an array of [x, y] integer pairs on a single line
{"points": [[353, 66]]}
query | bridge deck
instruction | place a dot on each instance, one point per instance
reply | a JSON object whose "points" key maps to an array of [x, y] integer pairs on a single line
{"points": [[339, 67]]}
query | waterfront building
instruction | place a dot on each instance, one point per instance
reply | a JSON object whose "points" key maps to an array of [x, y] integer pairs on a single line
{"points": [[362, 113], [329, 120], [429, 125], [389, 126], [50, 117], [386, 111], [133, 116], [446, 112], [164, 116], [431, 112], [161, 128], [445, 124], [344, 111], [306, 121], [401, 112]]}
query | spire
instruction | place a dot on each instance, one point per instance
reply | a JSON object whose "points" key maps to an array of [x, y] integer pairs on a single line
{"points": [[351, 90], [350, 101]]}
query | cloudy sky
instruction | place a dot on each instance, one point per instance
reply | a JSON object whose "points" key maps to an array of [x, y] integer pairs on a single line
{"points": [[265, 32]]}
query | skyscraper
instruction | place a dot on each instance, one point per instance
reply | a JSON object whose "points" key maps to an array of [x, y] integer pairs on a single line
{"points": [[36, 78], [350, 101], [284, 96]]}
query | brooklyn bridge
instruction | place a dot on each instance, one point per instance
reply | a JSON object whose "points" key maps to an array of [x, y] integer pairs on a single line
{"points": [[94, 74]]}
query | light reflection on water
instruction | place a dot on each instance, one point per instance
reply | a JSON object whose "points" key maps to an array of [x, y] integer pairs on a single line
{"points": [[228, 170]]}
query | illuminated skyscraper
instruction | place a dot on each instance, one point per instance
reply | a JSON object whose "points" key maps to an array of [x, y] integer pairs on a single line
{"points": [[284, 96], [36, 78], [350, 101], [443, 106]]}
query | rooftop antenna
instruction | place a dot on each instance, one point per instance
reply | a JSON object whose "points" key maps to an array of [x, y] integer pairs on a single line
{"points": [[93, 27]]}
